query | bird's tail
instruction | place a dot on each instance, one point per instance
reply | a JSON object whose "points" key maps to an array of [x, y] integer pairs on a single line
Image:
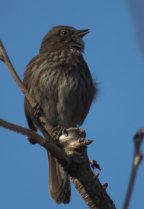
{"points": [[59, 183]]}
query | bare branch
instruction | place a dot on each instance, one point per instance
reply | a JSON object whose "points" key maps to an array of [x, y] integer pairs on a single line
{"points": [[49, 146], [41, 120], [137, 159]]}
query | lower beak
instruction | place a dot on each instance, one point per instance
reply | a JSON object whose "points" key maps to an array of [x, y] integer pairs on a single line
{"points": [[82, 33]]}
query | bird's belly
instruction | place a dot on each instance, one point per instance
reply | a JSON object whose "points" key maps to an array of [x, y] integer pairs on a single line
{"points": [[63, 99]]}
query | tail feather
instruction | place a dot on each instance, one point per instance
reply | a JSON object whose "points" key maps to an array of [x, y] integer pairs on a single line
{"points": [[59, 184]]}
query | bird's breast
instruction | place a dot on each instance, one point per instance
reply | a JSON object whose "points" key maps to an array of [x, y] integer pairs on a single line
{"points": [[62, 85]]}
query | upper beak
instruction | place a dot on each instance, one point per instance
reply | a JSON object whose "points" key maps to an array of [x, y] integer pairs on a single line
{"points": [[82, 33]]}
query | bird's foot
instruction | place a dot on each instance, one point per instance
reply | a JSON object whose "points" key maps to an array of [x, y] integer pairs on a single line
{"points": [[32, 141], [57, 131]]}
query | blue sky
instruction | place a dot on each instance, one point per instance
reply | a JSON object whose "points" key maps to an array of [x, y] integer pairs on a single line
{"points": [[114, 57]]}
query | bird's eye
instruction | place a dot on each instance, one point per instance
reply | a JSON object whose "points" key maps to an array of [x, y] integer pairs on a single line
{"points": [[63, 32]]}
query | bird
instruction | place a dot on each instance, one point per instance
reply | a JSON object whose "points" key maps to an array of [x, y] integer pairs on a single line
{"points": [[59, 79]]}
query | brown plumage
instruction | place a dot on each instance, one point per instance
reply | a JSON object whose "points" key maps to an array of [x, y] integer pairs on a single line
{"points": [[60, 81]]}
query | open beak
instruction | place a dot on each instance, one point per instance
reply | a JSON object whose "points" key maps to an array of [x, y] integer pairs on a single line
{"points": [[82, 33]]}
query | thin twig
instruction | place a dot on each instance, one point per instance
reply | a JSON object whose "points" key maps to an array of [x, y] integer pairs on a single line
{"points": [[49, 146], [4, 57], [43, 122], [137, 159]]}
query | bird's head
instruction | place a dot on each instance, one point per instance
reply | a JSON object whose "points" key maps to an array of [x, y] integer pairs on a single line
{"points": [[62, 37]]}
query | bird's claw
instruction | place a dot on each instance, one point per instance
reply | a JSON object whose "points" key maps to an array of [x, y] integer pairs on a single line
{"points": [[57, 131]]}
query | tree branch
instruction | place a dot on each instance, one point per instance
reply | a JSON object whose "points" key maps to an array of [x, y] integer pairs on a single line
{"points": [[73, 156], [49, 146], [41, 120], [137, 159]]}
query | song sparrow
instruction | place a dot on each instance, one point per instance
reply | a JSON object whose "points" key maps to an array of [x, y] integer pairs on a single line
{"points": [[60, 81]]}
